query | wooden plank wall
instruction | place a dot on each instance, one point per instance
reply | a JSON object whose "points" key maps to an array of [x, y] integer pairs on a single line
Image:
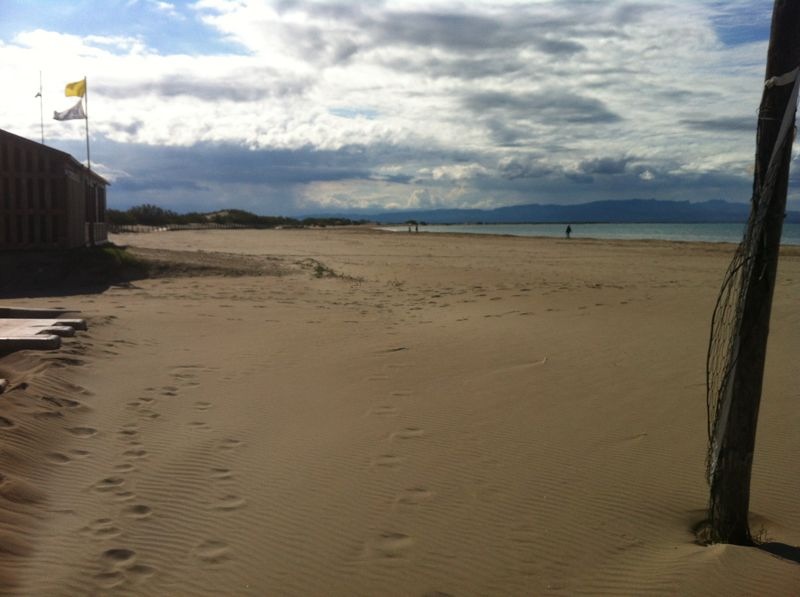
{"points": [[43, 199]]}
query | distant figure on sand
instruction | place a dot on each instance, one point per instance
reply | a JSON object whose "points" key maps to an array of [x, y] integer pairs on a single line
{"points": [[569, 230]]}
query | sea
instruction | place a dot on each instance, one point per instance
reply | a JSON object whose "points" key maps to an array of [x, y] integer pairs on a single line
{"points": [[710, 233]]}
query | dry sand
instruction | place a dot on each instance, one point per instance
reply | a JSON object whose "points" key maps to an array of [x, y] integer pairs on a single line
{"points": [[446, 415]]}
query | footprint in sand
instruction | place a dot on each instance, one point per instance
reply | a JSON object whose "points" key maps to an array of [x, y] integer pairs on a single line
{"points": [[6, 423], [391, 545], [20, 491], [414, 496], [82, 431], [213, 552], [201, 425], [384, 411], [125, 467], [58, 458], [408, 433], [140, 572], [221, 474], [108, 484], [138, 511], [134, 454], [229, 502], [47, 415], [102, 528], [202, 406], [109, 580], [124, 496], [230, 444], [119, 556], [61, 402], [387, 461]]}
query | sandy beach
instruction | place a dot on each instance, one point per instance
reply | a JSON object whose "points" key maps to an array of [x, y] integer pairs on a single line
{"points": [[357, 412]]}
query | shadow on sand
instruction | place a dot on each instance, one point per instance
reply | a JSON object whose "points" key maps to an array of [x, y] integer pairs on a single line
{"points": [[781, 550], [66, 272]]}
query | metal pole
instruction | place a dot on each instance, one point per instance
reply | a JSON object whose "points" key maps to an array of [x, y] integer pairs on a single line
{"points": [[41, 107], [86, 110]]}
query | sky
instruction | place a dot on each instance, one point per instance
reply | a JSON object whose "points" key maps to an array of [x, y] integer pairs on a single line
{"points": [[293, 107]]}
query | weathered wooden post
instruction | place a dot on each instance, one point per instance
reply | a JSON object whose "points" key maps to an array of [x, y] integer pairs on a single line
{"points": [[733, 440]]}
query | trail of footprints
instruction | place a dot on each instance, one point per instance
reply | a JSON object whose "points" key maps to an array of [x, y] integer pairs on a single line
{"points": [[390, 544], [119, 564]]}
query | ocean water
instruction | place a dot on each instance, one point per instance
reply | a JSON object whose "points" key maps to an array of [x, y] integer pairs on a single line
{"points": [[712, 233]]}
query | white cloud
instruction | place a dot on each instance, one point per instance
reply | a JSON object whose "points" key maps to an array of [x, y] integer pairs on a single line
{"points": [[514, 92], [167, 8]]}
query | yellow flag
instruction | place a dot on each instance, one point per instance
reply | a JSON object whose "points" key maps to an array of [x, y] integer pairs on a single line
{"points": [[78, 88]]}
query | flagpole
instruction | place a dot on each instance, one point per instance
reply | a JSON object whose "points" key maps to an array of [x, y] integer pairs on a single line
{"points": [[41, 107], [86, 109]]}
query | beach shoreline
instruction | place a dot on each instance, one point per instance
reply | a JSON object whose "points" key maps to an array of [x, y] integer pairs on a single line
{"points": [[364, 412]]}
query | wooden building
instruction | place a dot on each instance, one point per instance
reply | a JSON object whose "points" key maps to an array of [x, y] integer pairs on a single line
{"points": [[47, 198]]}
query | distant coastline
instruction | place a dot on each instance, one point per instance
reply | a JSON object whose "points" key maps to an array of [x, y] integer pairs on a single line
{"points": [[623, 211], [713, 232]]}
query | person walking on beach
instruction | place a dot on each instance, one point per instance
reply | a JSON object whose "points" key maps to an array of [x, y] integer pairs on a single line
{"points": [[569, 230]]}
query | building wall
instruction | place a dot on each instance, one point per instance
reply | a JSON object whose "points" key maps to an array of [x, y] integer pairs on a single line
{"points": [[45, 199]]}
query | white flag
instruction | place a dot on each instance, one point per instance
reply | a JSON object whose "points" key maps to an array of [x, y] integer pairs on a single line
{"points": [[74, 113]]}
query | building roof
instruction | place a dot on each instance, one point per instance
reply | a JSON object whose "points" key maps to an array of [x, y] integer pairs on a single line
{"points": [[63, 155]]}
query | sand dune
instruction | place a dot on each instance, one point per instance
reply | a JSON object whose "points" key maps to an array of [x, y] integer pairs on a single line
{"points": [[391, 414]]}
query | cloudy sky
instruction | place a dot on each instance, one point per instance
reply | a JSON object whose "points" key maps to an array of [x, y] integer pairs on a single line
{"points": [[309, 106]]}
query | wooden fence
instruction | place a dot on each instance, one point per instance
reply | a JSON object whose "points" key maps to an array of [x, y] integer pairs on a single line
{"points": [[139, 228]]}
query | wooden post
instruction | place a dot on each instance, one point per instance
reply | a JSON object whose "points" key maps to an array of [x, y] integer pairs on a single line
{"points": [[730, 482]]}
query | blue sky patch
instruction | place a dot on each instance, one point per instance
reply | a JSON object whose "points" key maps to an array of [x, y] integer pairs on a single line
{"points": [[744, 24], [165, 27]]}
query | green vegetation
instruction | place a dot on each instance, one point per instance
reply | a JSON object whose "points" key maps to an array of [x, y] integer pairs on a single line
{"points": [[152, 215], [114, 256]]}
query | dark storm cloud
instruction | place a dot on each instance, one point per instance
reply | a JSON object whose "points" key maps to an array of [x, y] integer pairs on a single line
{"points": [[559, 47], [604, 166], [205, 176], [131, 128], [547, 107], [204, 165], [470, 68], [515, 28], [579, 177], [459, 33], [208, 176], [207, 90], [732, 124], [523, 168], [448, 30], [631, 13], [506, 134], [277, 166], [151, 183]]}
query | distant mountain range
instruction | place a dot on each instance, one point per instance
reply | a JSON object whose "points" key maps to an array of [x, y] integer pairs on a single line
{"points": [[619, 211]]}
